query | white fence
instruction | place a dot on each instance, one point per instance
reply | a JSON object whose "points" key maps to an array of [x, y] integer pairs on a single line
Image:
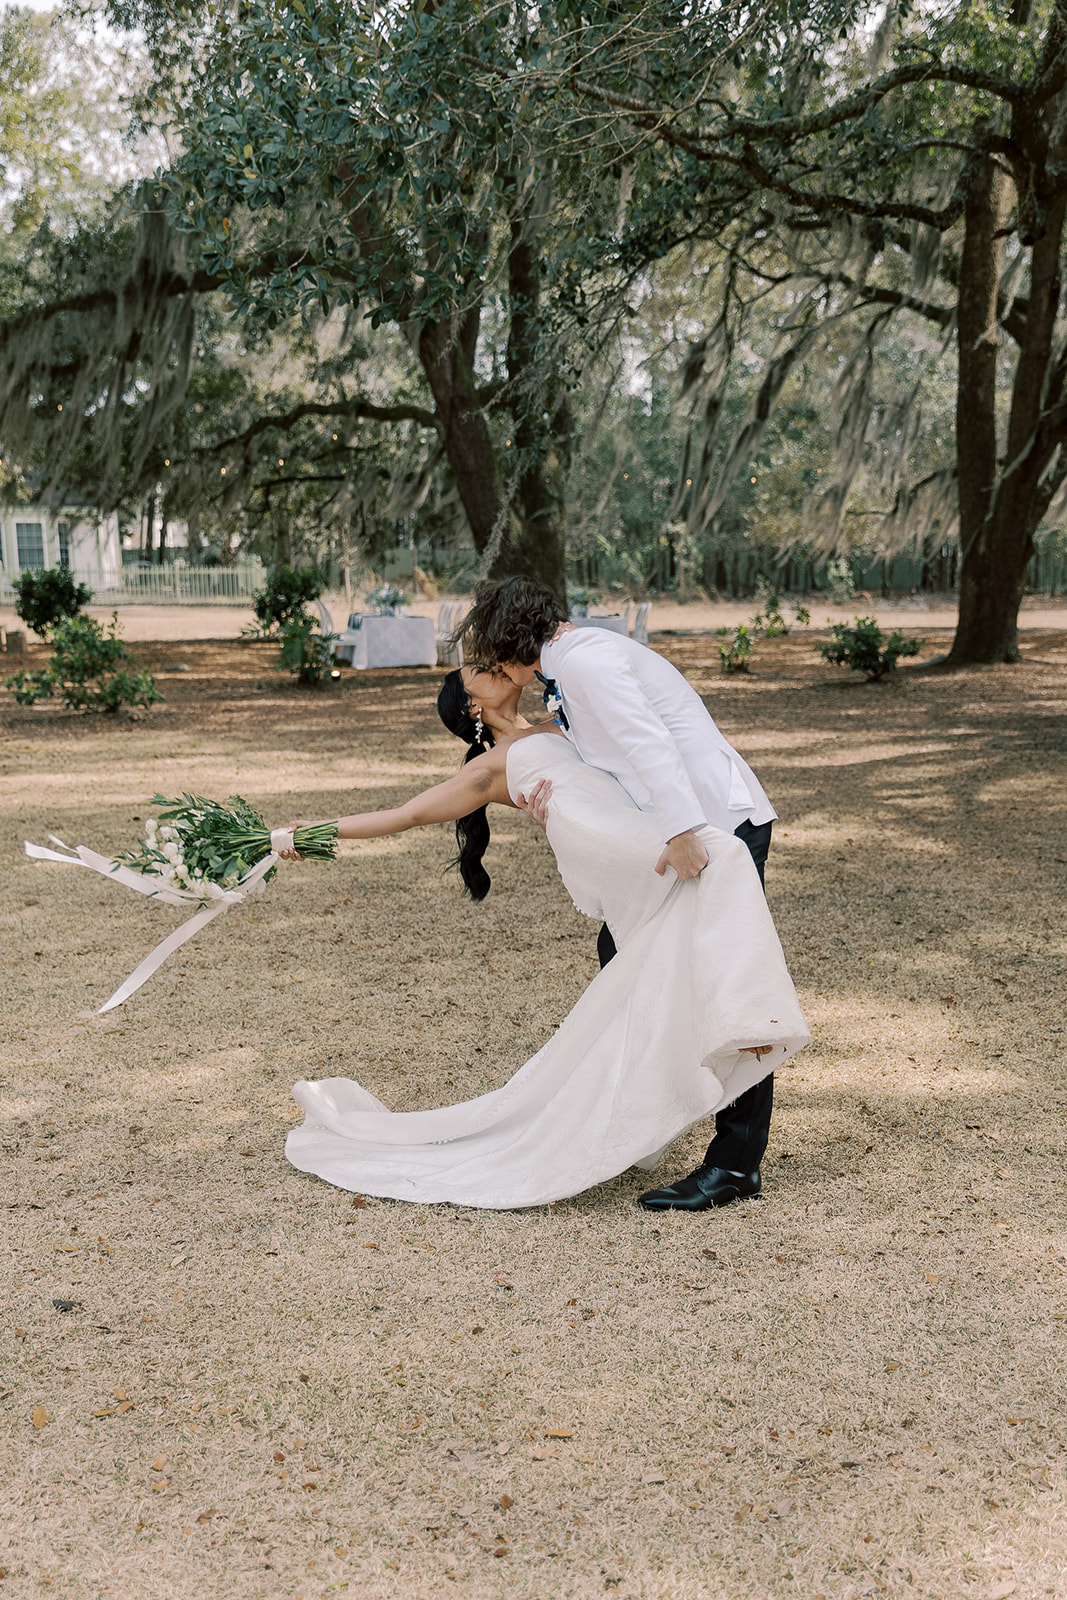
{"points": [[170, 585]]}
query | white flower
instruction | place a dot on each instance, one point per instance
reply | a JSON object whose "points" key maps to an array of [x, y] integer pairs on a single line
{"points": [[171, 852]]}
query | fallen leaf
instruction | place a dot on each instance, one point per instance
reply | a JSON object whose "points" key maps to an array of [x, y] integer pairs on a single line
{"points": [[279, 1455], [932, 1277], [159, 1463], [1003, 1590], [121, 1410], [179, 1261], [892, 1366], [558, 1433], [40, 1416], [107, 1413], [206, 1516], [543, 1455], [586, 1460], [370, 1247], [479, 1329], [120, 1394], [502, 1449], [159, 1485], [70, 1249], [102, 1242], [505, 1502]]}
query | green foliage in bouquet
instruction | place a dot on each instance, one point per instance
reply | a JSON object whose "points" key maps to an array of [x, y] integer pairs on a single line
{"points": [[283, 598], [306, 652], [47, 598], [90, 670], [865, 648], [197, 841]]}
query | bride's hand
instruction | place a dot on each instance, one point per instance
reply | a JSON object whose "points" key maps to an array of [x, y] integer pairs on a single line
{"points": [[292, 855], [536, 804]]}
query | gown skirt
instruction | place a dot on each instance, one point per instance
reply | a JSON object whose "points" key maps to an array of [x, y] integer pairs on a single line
{"points": [[652, 1046]]}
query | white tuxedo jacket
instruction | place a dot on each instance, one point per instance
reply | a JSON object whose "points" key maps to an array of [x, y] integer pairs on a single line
{"points": [[632, 714]]}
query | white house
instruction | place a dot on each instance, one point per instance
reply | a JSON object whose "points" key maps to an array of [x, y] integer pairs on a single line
{"points": [[34, 536]]}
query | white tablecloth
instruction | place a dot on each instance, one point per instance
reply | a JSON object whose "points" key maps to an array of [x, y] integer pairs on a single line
{"points": [[374, 641], [615, 624]]}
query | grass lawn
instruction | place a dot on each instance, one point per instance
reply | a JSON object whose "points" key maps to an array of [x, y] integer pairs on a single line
{"points": [[264, 1387]]}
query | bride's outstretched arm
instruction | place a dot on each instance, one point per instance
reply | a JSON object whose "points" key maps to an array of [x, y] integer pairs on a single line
{"points": [[481, 782]]}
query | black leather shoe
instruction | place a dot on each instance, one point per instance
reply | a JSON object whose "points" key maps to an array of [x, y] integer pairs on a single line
{"points": [[704, 1188]]}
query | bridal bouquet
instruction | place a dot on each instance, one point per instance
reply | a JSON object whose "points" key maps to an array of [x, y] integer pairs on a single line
{"points": [[201, 854], [197, 843]]}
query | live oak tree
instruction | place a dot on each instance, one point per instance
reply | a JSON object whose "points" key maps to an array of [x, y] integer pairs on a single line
{"points": [[347, 154], [914, 167]]}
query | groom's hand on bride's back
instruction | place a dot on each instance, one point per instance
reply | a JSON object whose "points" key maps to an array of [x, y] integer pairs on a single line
{"points": [[685, 854], [535, 804]]}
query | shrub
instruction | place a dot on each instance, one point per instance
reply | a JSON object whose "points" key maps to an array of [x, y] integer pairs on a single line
{"points": [[865, 648], [734, 653], [45, 598], [306, 652], [283, 597], [90, 669]]}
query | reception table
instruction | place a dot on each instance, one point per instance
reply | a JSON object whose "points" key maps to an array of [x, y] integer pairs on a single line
{"points": [[371, 640], [614, 624]]}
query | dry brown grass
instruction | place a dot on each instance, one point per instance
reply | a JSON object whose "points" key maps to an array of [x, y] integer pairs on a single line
{"points": [[854, 1387]]}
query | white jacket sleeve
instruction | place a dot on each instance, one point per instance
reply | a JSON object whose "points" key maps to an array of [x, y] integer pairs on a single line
{"points": [[621, 704]]}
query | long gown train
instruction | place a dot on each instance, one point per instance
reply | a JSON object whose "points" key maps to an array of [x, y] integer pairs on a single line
{"points": [[651, 1047]]}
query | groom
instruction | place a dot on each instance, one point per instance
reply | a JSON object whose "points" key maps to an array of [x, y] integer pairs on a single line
{"points": [[628, 711]]}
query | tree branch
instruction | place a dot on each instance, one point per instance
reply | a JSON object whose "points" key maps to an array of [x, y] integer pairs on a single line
{"points": [[313, 408]]}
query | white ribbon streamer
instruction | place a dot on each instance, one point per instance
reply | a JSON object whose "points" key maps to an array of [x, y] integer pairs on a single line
{"points": [[156, 887]]}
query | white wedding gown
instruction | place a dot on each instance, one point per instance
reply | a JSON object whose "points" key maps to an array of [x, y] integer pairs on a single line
{"points": [[652, 1046]]}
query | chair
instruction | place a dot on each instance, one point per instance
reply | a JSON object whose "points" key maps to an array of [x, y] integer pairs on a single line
{"points": [[448, 617], [326, 623], [640, 632]]}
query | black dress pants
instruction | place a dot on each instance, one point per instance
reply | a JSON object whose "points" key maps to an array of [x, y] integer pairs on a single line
{"points": [[741, 1129]]}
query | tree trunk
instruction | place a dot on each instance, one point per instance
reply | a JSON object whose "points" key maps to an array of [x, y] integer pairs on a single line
{"points": [[447, 359], [976, 413], [996, 550], [535, 542]]}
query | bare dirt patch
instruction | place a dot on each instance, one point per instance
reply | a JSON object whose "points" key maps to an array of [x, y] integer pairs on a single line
{"points": [[221, 1377]]}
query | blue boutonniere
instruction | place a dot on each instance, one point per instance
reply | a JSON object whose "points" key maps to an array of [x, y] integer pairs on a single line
{"points": [[553, 700]]}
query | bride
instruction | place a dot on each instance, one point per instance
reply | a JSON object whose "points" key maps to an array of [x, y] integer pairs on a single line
{"points": [[696, 1007]]}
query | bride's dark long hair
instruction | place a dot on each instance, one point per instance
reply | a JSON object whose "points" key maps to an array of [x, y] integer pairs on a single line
{"points": [[472, 832]]}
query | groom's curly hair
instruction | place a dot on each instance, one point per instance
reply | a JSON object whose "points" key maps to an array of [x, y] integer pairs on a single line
{"points": [[510, 620]]}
